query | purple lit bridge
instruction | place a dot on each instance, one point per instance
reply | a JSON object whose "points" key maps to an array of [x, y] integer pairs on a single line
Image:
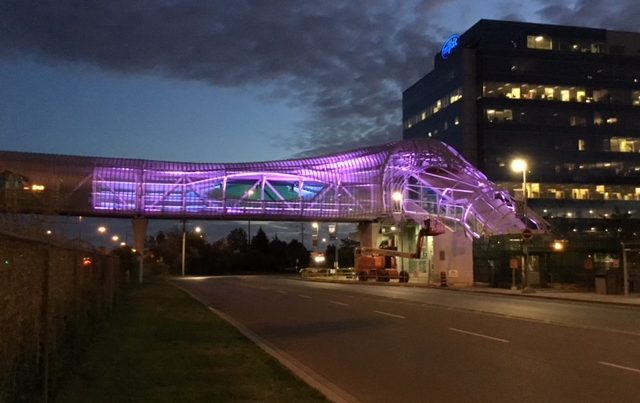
{"points": [[408, 182], [413, 179]]}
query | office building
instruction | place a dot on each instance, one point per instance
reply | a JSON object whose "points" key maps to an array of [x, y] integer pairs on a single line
{"points": [[565, 99]]}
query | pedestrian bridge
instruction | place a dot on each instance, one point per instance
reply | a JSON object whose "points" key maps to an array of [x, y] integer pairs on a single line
{"points": [[413, 179]]}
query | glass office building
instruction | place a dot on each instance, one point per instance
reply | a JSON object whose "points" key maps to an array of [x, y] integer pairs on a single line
{"points": [[566, 99]]}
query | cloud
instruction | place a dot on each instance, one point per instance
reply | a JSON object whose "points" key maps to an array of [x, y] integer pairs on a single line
{"points": [[608, 14], [345, 61]]}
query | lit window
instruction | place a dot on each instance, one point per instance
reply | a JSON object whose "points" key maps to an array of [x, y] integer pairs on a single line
{"points": [[581, 96], [612, 121], [423, 115], [581, 145], [499, 116], [456, 121], [597, 119], [624, 144], [580, 194], [600, 189], [635, 98], [548, 93], [539, 42], [565, 96]]}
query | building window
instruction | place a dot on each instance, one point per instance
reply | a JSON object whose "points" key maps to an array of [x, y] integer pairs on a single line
{"points": [[549, 94], [598, 48], [597, 119], [499, 116], [635, 98], [580, 194], [539, 42], [600, 96], [455, 95], [581, 145], [625, 144], [514, 93], [577, 121]]}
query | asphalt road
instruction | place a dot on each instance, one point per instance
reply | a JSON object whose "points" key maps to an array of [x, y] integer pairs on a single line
{"points": [[401, 344]]}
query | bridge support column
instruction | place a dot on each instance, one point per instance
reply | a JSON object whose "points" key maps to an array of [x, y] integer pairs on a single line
{"points": [[139, 235], [454, 256], [368, 233]]}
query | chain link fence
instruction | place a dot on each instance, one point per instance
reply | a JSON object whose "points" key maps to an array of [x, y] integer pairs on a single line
{"points": [[52, 294]]}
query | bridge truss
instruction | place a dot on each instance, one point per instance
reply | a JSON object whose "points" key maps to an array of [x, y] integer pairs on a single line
{"points": [[411, 179]]}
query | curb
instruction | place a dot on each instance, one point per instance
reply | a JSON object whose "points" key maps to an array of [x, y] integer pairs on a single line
{"points": [[331, 391], [482, 291]]}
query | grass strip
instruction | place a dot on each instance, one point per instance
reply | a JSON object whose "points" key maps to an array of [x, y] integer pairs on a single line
{"points": [[163, 346]]}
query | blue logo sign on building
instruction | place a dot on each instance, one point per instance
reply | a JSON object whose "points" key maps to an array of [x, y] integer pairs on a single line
{"points": [[449, 45]]}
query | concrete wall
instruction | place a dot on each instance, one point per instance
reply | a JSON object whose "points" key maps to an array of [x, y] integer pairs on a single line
{"points": [[453, 254]]}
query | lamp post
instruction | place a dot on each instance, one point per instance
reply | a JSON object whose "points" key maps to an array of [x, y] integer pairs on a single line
{"points": [[520, 165], [197, 230], [314, 237]]}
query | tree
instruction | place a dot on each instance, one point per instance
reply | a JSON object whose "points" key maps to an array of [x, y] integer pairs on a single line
{"points": [[237, 240], [260, 242], [297, 254], [346, 252], [277, 251]]}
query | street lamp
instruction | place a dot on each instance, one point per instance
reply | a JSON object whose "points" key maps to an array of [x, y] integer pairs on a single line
{"points": [[520, 165], [314, 236], [197, 230]]}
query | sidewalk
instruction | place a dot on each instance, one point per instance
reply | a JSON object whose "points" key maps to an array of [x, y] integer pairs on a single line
{"points": [[633, 299]]}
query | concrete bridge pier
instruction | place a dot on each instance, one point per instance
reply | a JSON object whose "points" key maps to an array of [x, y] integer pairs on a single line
{"points": [[139, 235], [369, 233]]}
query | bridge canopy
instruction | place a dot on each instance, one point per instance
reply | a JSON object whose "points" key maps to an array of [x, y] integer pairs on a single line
{"points": [[415, 180]]}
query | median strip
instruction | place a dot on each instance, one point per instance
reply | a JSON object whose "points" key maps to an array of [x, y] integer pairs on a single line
{"points": [[609, 364], [479, 335], [393, 315]]}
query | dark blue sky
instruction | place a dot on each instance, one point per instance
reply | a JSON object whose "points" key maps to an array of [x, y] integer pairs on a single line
{"points": [[227, 81], [231, 81]]}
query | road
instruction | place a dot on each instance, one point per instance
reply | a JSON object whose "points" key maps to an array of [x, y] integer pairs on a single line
{"points": [[375, 343]]}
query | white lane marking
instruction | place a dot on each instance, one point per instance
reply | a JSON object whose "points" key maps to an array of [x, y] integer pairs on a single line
{"points": [[304, 296], [609, 364], [339, 303], [479, 335], [393, 315]]}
